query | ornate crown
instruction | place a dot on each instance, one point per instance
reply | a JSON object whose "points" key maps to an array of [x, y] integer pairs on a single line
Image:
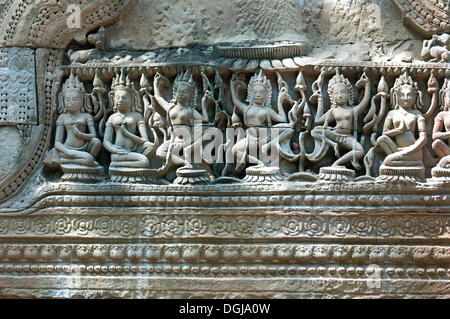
{"points": [[405, 79], [74, 83], [122, 82], [259, 79], [339, 78], [186, 77]]}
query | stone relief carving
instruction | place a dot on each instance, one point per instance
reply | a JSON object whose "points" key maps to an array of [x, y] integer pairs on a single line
{"points": [[17, 91], [182, 148], [344, 134], [404, 130], [18, 106], [50, 30], [76, 142], [139, 124], [45, 23], [437, 48], [440, 140], [260, 132], [158, 139], [125, 134], [424, 16]]}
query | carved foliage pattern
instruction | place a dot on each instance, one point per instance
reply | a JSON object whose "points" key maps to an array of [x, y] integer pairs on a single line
{"points": [[155, 226]]}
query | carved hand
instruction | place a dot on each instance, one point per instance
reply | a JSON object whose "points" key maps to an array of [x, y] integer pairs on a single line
{"points": [[441, 136], [159, 80], [396, 131], [236, 80], [120, 151], [123, 128], [80, 134]]}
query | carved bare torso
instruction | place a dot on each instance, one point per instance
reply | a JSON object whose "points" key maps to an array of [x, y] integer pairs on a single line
{"points": [[256, 116], [444, 118], [79, 120], [130, 121], [344, 119], [407, 122], [182, 115]]}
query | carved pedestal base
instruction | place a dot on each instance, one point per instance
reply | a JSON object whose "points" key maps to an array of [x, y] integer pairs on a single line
{"points": [[75, 173], [401, 174], [135, 175], [336, 174], [258, 174], [440, 173], [187, 175]]}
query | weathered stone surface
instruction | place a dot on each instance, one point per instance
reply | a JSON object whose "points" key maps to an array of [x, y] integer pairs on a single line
{"points": [[118, 176], [173, 23], [18, 88]]}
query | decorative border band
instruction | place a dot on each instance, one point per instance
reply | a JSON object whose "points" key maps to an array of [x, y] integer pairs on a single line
{"points": [[97, 223], [245, 255]]}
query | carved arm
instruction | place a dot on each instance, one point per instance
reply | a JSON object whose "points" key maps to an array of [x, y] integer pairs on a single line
{"points": [[388, 124], [107, 142], [59, 136], [157, 82], [84, 136], [136, 139], [437, 134]]}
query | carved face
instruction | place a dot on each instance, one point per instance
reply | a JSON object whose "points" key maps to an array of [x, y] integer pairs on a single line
{"points": [[73, 100], [183, 93], [259, 94], [406, 96], [341, 95], [122, 100]]}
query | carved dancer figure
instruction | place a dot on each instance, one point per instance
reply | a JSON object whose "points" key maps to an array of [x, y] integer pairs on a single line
{"points": [[441, 138], [342, 111], [182, 118], [81, 146], [258, 114], [126, 134], [404, 131]]}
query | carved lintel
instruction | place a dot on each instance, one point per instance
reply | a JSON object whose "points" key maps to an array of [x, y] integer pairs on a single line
{"points": [[423, 16]]}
